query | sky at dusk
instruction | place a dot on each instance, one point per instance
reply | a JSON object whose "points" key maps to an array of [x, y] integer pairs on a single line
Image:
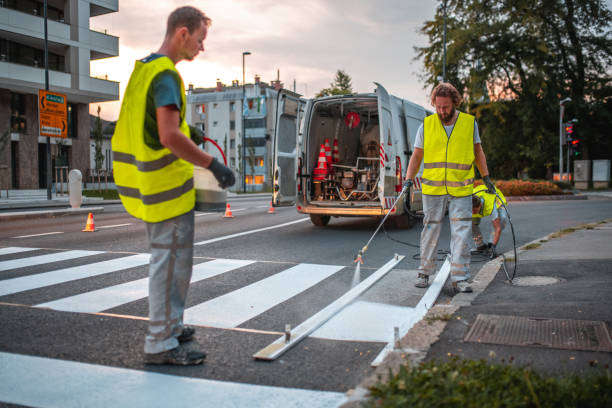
{"points": [[306, 40]]}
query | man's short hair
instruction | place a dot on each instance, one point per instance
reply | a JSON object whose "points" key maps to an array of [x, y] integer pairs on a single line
{"points": [[476, 201], [446, 90], [186, 16]]}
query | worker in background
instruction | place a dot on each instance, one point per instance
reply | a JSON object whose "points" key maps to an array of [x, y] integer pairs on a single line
{"points": [[485, 204], [448, 143], [153, 158]]}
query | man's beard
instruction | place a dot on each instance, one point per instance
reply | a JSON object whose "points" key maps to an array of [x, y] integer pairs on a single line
{"points": [[449, 117]]}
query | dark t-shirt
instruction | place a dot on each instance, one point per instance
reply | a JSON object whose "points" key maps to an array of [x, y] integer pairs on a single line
{"points": [[165, 90]]}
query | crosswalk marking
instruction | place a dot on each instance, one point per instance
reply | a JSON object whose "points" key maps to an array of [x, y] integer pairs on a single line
{"points": [[15, 250], [44, 382], [235, 308], [108, 298], [43, 259], [40, 280]]}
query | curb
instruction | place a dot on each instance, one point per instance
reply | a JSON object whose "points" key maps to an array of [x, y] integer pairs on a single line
{"points": [[49, 213], [547, 197], [415, 345]]}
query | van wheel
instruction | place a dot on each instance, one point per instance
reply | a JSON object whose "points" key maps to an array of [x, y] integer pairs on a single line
{"points": [[403, 221], [319, 220]]}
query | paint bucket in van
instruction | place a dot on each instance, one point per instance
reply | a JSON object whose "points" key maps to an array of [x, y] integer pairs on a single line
{"points": [[209, 195]]}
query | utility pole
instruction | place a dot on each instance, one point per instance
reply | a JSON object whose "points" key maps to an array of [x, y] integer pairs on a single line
{"points": [[561, 135], [48, 148], [444, 40], [244, 54]]}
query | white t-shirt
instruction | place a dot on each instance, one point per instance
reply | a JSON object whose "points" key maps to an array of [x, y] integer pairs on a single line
{"points": [[419, 137]]}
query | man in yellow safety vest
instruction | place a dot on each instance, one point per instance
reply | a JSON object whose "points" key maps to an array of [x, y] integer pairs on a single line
{"points": [[153, 158], [448, 144], [485, 204]]}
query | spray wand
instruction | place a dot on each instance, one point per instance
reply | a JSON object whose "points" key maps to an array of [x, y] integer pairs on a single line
{"points": [[359, 258]]}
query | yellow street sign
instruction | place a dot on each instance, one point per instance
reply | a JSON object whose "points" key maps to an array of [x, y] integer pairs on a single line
{"points": [[52, 111]]}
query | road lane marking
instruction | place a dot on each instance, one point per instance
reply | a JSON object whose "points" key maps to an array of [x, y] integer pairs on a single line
{"points": [[40, 280], [117, 295], [42, 259], [15, 250], [364, 321], [206, 213], [113, 226], [235, 308], [39, 235], [210, 241], [45, 382]]}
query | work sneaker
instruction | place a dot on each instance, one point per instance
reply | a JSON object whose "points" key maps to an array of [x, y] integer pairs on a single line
{"points": [[482, 247], [186, 335], [422, 281], [177, 356], [462, 287]]}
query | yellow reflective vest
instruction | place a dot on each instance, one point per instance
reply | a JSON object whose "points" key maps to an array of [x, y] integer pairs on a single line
{"points": [[489, 200], [153, 184], [448, 161]]}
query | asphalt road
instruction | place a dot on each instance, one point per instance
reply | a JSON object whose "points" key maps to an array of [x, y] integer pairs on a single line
{"points": [[279, 265]]}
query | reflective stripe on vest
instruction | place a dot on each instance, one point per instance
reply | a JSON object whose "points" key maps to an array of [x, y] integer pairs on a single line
{"points": [[489, 200], [448, 162], [153, 184]]}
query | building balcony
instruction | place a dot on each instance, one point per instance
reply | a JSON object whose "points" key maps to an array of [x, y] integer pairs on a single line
{"points": [[101, 44], [101, 7], [29, 25]]}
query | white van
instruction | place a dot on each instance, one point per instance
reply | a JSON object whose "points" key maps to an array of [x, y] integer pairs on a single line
{"points": [[374, 135]]}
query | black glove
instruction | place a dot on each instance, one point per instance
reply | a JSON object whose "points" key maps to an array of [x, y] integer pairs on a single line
{"points": [[489, 184], [407, 184], [492, 253], [196, 135], [224, 175]]}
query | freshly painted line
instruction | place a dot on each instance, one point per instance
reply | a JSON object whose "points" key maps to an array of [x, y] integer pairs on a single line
{"points": [[45, 383], [42, 259], [40, 280], [364, 321], [426, 302], [39, 235], [235, 308], [113, 296], [113, 226], [15, 250], [278, 347], [210, 241], [206, 213]]}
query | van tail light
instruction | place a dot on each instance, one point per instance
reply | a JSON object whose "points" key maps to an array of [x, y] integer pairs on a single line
{"points": [[299, 175], [398, 174]]}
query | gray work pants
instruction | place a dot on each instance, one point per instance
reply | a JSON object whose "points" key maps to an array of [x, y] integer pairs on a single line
{"points": [[169, 275], [477, 234], [460, 214]]}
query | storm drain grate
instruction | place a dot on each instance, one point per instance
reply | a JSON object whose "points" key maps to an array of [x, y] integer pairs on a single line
{"points": [[540, 332]]}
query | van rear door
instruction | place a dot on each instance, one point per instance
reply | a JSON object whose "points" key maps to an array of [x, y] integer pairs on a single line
{"points": [[386, 183], [289, 108]]}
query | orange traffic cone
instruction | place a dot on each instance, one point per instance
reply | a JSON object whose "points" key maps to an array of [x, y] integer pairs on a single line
{"points": [[321, 171], [271, 210], [335, 152], [228, 212], [328, 154], [90, 226]]}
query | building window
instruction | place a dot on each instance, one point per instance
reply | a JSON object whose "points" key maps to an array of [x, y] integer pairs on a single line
{"points": [[232, 107], [233, 162], [232, 144], [215, 105], [25, 55], [35, 8], [255, 123], [72, 130], [18, 113], [257, 179], [256, 141], [215, 123], [258, 161], [232, 124]]}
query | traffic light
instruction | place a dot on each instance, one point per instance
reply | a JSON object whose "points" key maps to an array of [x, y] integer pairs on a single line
{"points": [[569, 131], [575, 146]]}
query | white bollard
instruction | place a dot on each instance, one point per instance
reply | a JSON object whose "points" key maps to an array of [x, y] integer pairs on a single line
{"points": [[75, 187]]}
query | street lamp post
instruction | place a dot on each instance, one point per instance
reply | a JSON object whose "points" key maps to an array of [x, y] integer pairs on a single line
{"points": [[244, 54], [444, 51], [561, 110]]}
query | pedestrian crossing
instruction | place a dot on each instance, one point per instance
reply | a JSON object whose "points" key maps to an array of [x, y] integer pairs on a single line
{"points": [[228, 310]]}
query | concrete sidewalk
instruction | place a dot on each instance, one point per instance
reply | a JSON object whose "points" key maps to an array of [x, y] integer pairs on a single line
{"points": [[565, 276]]}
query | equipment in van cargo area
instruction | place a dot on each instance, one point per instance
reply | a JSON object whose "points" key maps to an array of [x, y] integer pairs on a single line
{"points": [[372, 135]]}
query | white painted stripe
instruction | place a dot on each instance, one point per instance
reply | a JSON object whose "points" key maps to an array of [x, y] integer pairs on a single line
{"points": [[15, 250], [210, 241], [364, 321], [40, 280], [113, 226], [113, 296], [235, 308], [426, 302], [275, 349], [42, 259], [206, 213], [39, 235], [45, 383]]}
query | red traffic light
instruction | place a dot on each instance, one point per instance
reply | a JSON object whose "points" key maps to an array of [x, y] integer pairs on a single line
{"points": [[569, 129], [575, 142]]}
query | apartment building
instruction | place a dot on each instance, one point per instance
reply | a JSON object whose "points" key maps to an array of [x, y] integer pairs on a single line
{"points": [[219, 113], [72, 44]]}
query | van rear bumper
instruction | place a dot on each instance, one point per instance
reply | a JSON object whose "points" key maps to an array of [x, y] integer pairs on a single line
{"points": [[342, 212]]}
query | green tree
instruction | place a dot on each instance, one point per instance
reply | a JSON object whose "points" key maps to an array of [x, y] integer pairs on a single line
{"points": [[340, 86], [525, 56]]}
